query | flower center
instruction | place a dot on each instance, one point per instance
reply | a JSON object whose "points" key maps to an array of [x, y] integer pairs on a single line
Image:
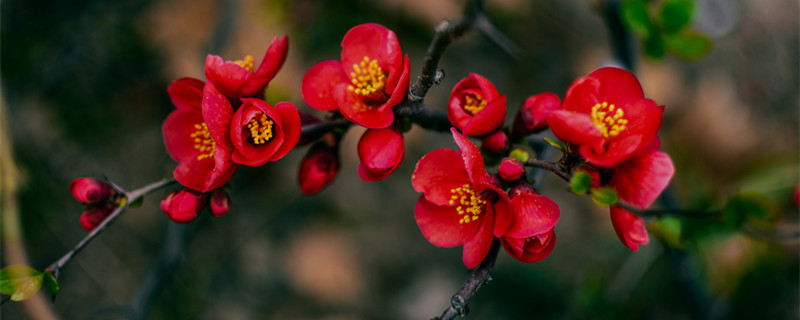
{"points": [[367, 78], [203, 141], [469, 204], [260, 126], [473, 103], [246, 63], [609, 119]]}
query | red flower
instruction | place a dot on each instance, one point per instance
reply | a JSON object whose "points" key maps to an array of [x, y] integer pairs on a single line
{"points": [[256, 133], [530, 236], [380, 152], [319, 166], [237, 79], [607, 116], [183, 205], [371, 78], [458, 205], [511, 169], [476, 108], [638, 182], [530, 249], [203, 165], [91, 191], [532, 115]]}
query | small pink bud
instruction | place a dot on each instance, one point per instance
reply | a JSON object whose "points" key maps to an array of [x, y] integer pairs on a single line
{"points": [[219, 202], [496, 143], [93, 216], [532, 115], [90, 191], [380, 152], [184, 204], [511, 169], [319, 167]]}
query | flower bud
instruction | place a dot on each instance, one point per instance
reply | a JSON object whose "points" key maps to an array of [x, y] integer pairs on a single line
{"points": [[219, 202], [184, 204], [511, 169], [381, 152], [93, 216], [532, 115], [319, 167], [496, 143], [90, 191]]}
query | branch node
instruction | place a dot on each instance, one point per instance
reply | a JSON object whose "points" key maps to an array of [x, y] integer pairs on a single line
{"points": [[437, 79]]}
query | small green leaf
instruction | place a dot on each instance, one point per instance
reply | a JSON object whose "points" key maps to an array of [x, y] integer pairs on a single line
{"points": [[604, 196], [555, 144], [520, 155], [20, 281], [654, 46], [675, 15], [580, 183], [52, 284], [636, 18], [688, 44]]}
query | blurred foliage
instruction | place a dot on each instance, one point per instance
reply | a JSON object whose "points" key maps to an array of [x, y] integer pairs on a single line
{"points": [[666, 29]]}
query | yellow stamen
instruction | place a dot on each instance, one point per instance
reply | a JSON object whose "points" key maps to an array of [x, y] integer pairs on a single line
{"points": [[260, 128], [473, 103], [367, 78], [609, 119], [470, 205], [246, 63], [203, 141]]}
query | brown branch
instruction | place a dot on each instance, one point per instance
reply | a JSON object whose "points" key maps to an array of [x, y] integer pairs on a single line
{"points": [[479, 276], [549, 166]]}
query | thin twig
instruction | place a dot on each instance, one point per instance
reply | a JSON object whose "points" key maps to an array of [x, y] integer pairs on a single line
{"points": [[480, 276], [549, 166]]}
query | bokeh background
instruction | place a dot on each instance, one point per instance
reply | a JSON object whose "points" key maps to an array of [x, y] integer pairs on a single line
{"points": [[84, 88]]}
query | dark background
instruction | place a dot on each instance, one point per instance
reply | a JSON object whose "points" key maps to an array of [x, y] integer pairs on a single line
{"points": [[84, 86]]}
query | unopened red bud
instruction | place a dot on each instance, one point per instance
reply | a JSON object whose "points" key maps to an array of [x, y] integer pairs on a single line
{"points": [[91, 191], [380, 152], [318, 168], [796, 196], [532, 115], [184, 204], [511, 169], [496, 143], [93, 216], [219, 202]]}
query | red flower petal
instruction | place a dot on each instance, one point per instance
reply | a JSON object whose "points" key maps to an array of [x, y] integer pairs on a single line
{"points": [[487, 120], [629, 227], [440, 224], [380, 152], [270, 65], [532, 250], [575, 127], [437, 173], [398, 91], [533, 114], [475, 249], [612, 152], [617, 86], [245, 152], [318, 84], [641, 179], [227, 76], [374, 41], [582, 95], [186, 93], [533, 214], [354, 109], [473, 160], [206, 174], [290, 126], [217, 112], [177, 131]]}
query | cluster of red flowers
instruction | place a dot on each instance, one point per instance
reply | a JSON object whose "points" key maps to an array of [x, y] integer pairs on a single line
{"points": [[610, 133], [222, 123]]}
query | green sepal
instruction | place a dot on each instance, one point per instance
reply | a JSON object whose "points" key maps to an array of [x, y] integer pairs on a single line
{"points": [[580, 183], [520, 155], [604, 196]]}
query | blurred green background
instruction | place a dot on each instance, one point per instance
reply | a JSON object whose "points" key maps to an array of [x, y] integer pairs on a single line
{"points": [[84, 83]]}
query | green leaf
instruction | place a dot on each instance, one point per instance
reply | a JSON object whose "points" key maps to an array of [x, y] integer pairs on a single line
{"points": [[604, 196], [688, 44], [580, 183], [636, 18], [20, 281], [675, 15], [52, 284], [520, 155], [555, 144], [654, 46]]}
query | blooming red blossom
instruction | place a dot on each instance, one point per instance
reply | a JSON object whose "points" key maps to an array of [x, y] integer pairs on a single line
{"points": [[91, 191], [606, 115], [371, 78], [458, 205], [183, 205], [320, 165], [476, 108], [638, 182], [532, 115], [530, 236], [256, 133], [380, 152], [93, 216], [238, 79], [203, 164]]}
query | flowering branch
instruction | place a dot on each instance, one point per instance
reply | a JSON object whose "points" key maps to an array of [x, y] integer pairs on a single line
{"points": [[130, 197]]}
